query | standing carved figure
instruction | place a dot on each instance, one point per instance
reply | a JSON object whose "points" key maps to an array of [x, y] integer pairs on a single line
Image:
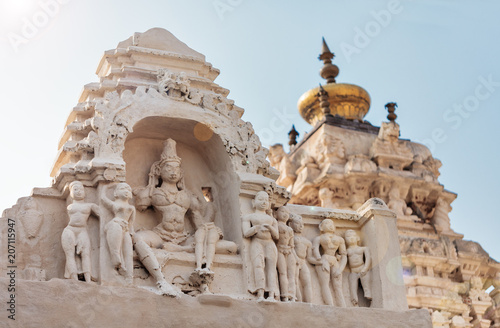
{"points": [[333, 261], [75, 238], [31, 218], [440, 214], [208, 238], [359, 262], [287, 262], [207, 233], [168, 196], [120, 229], [262, 230], [303, 249], [397, 204]]}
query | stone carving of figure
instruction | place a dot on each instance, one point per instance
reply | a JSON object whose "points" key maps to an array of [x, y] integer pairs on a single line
{"points": [[359, 262], [262, 230], [303, 249], [476, 292], [398, 205], [333, 260], [330, 150], [433, 164], [208, 238], [421, 170], [388, 151], [173, 84], [75, 238], [168, 197], [207, 233], [326, 197], [333, 197], [120, 229], [360, 163], [440, 215], [279, 160], [287, 262], [31, 218]]}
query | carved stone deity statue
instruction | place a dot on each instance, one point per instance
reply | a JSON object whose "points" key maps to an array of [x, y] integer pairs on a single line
{"points": [[31, 218], [388, 151], [421, 170], [398, 205], [360, 163], [287, 262], [207, 233], [168, 197], [279, 160], [359, 259], [330, 151], [208, 238], [303, 249], [476, 291], [75, 238], [440, 214], [120, 229], [329, 250], [262, 230]]}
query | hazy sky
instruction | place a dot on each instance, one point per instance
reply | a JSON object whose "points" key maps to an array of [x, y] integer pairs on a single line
{"points": [[437, 59]]}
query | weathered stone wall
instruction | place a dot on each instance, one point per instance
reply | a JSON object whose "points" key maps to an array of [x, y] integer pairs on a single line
{"points": [[47, 304]]}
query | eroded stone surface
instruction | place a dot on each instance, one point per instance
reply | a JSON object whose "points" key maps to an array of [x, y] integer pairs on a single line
{"points": [[97, 306]]}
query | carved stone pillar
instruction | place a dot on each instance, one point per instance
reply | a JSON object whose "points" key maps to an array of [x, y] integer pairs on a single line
{"points": [[378, 226]]}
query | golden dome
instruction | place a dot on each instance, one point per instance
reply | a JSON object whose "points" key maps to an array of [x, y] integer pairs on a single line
{"points": [[347, 100]]}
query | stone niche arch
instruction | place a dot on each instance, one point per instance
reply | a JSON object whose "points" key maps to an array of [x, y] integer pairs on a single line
{"points": [[205, 163]]}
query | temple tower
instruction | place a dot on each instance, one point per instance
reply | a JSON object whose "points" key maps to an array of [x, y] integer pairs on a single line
{"points": [[344, 160]]}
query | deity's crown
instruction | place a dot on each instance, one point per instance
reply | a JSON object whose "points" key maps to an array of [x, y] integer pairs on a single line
{"points": [[169, 153]]}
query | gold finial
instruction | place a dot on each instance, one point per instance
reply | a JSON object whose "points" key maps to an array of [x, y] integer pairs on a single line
{"points": [[391, 108], [323, 100], [329, 71], [292, 135]]}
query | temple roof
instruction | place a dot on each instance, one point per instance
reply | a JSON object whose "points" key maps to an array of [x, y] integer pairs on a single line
{"points": [[348, 101], [160, 39]]}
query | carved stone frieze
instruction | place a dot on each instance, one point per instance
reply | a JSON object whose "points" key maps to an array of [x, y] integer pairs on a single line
{"points": [[388, 151]]}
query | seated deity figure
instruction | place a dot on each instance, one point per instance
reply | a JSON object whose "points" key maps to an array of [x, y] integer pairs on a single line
{"points": [[120, 229], [75, 238], [168, 197], [262, 230], [303, 249], [359, 260], [398, 205], [333, 260], [287, 262]]}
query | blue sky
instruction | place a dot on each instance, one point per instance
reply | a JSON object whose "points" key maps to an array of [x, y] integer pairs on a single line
{"points": [[437, 59]]}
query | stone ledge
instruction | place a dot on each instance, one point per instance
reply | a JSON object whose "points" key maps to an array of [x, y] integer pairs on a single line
{"points": [[66, 303]]}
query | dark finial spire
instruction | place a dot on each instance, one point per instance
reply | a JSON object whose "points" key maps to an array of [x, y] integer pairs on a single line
{"points": [[325, 51], [292, 135], [391, 108], [329, 71], [323, 100]]}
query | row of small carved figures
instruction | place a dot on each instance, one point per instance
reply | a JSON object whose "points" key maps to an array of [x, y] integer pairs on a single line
{"points": [[277, 242], [273, 244]]}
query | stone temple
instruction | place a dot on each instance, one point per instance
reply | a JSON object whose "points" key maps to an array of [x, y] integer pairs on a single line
{"points": [[345, 160], [165, 212]]}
